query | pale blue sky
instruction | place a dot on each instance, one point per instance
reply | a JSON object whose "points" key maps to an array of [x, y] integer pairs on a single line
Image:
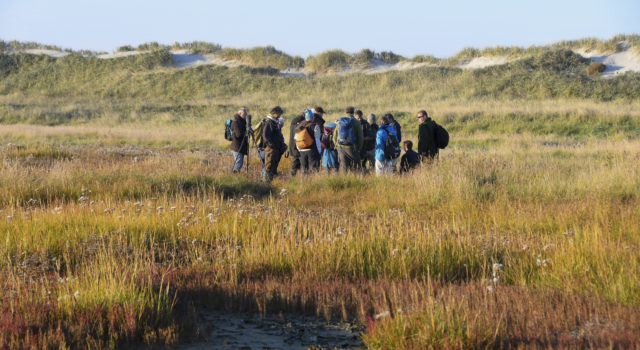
{"points": [[301, 27]]}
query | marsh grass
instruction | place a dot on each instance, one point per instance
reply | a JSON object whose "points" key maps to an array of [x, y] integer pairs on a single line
{"points": [[108, 246]]}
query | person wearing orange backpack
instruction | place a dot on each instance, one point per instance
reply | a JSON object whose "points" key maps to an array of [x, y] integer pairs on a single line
{"points": [[307, 137]]}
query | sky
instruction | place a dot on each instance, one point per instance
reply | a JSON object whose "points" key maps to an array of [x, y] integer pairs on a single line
{"points": [[440, 28]]}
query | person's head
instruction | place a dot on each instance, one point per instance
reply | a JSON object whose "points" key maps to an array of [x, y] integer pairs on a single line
{"points": [[422, 115], [350, 110], [308, 115], [276, 112], [242, 112], [358, 114], [319, 110], [386, 119], [371, 118], [408, 145], [391, 118]]}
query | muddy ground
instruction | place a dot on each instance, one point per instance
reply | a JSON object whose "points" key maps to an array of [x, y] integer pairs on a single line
{"points": [[240, 331]]}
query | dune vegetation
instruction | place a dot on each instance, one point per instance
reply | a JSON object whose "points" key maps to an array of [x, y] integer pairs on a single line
{"points": [[121, 222]]}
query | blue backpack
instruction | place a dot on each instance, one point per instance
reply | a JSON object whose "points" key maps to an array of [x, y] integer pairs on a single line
{"points": [[346, 136], [228, 132]]}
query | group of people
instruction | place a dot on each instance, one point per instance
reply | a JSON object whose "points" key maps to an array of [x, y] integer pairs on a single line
{"points": [[352, 143]]}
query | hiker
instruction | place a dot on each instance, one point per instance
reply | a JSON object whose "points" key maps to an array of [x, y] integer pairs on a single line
{"points": [[274, 143], [427, 137], [293, 151], [307, 139], [396, 126], [329, 152], [387, 147], [371, 119], [240, 139], [367, 153], [348, 140], [410, 159]]}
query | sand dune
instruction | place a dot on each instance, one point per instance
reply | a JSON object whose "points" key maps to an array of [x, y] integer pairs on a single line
{"points": [[617, 63]]}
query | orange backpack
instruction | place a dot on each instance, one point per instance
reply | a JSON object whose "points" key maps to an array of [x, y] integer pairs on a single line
{"points": [[303, 138]]}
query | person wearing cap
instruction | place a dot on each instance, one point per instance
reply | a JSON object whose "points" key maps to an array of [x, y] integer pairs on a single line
{"points": [[348, 140], [240, 141], [426, 137], [310, 154], [274, 143]]}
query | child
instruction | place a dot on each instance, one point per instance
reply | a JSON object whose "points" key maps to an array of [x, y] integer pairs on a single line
{"points": [[410, 159]]}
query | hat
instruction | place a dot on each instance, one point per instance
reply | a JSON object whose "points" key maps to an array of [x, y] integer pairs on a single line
{"points": [[308, 114], [319, 110]]}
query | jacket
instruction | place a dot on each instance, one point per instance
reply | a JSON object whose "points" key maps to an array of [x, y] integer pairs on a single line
{"points": [[398, 129], [357, 130], [369, 133], [427, 139], [272, 135], [381, 140], [293, 150], [240, 142], [410, 159]]}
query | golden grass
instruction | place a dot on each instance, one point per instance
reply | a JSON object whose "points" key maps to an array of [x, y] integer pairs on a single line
{"points": [[458, 254]]}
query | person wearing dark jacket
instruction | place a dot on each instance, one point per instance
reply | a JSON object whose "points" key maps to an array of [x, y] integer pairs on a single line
{"points": [[427, 137], [397, 128], [293, 151], [240, 142], [410, 159], [367, 153], [274, 143]]}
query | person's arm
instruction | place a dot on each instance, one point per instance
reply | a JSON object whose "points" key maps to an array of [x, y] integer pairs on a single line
{"points": [[421, 141], [404, 163], [318, 134]]}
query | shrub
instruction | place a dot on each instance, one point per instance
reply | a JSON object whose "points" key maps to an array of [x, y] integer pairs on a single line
{"points": [[595, 68], [149, 46], [327, 61], [125, 48]]}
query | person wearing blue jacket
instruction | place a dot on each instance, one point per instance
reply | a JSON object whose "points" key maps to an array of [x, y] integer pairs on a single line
{"points": [[383, 164]]}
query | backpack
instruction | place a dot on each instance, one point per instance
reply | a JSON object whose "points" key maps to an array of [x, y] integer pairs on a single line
{"points": [[228, 133], [325, 139], [442, 137], [391, 146], [346, 136], [257, 134], [303, 137]]}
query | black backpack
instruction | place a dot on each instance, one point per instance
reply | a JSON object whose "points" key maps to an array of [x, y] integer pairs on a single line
{"points": [[228, 133], [442, 137], [391, 146]]}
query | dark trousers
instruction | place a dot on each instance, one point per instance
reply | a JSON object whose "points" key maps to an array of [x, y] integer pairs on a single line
{"points": [[272, 159], [295, 165], [309, 160], [349, 158]]}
